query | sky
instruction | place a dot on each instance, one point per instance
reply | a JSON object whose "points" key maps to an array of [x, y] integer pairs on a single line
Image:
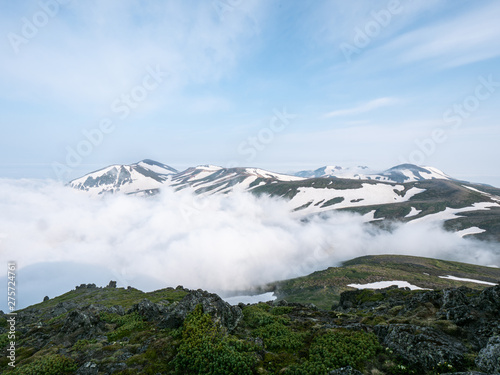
{"points": [[281, 85]]}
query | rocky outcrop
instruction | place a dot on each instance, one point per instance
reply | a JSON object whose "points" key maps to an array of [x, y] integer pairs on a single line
{"points": [[148, 310], [221, 312], [421, 347], [345, 371], [489, 357], [419, 330], [173, 315]]}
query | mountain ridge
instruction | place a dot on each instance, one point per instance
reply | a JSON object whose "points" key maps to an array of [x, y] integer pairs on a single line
{"points": [[422, 193]]}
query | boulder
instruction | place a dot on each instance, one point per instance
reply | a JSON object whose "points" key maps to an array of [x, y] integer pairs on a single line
{"points": [[78, 320], [221, 312], [488, 359], [112, 284], [89, 368], [345, 371], [489, 300], [454, 297], [147, 309], [422, 347]]}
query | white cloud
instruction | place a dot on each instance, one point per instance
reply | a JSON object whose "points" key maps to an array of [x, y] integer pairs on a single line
{"points": [[92, 52], [219, 243], [469, 37], [366, 107]]}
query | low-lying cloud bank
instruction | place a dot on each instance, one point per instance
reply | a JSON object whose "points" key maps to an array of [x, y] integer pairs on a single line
{"points": [[60, 237]]}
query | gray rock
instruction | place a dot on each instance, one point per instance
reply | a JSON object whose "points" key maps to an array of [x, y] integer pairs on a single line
{"points": [[89, 368], [112, 284], [454, 297], [460, 315], [422, 347], [149, 310], [488, 359], [222, 312], [86, 286], [345, 371], [84, 323], [115, 310], [489, 300]]}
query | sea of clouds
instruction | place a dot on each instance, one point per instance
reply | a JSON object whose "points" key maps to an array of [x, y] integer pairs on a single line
{"points": [[60, 238]]}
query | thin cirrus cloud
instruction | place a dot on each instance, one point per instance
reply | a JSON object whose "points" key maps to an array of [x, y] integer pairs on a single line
{"points": [[467, 38], [107, 51], [365, 107]]}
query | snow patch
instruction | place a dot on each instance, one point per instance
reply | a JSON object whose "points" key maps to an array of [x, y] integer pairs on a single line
{"points": [[467, 280], [451, 213], [413, 212], [155, 168], [370, 216], [385, 284], [468, 231], [368, 194]]}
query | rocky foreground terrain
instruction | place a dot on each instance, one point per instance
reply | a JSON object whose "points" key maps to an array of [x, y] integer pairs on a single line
{"points": [[111, 330]]}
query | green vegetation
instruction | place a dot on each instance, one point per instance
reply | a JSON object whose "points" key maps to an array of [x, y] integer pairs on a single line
{"points": [[125, 325], [272, 327], [323, 288], [97, 326], [335, 349], [206, 350], [48, 365], [115, 296], [333, 201]]}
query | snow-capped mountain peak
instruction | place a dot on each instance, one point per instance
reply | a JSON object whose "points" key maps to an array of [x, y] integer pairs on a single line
{"points": [[399, 174], [405, 192], [156, 167], [410, 172], [144, 176]]}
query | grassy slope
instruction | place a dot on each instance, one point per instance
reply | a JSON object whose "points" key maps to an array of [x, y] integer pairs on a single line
{"points": [[112, 297], [323, 288], [438, 195]]}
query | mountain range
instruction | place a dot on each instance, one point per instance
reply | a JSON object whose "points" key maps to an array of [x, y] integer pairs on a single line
{"points": [[404, 193]]}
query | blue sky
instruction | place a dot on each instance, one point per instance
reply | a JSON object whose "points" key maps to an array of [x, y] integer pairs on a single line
{"points": [[207, 82]]}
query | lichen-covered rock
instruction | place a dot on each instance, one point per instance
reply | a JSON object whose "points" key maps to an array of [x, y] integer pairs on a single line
{"points": [[112, 284], [89, 368], [345, 371], [149, 310], [80, 320], [454, 297], [222, 313], [422, 347], [489, 300], [489, 357]]}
